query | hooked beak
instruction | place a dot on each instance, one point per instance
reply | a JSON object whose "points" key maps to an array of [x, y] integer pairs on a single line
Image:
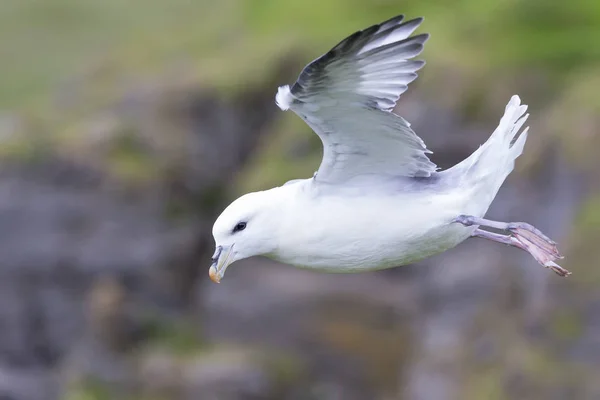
{"points": [[220, 262]]}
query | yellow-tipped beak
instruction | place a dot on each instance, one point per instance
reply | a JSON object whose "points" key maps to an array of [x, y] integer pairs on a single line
{"points": [[214, 276], [220, 262]]}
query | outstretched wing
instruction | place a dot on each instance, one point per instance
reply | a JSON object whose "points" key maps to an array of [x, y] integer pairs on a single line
{"points": [[347, 96]]}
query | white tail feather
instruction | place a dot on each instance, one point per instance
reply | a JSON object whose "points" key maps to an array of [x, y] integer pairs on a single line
{"points": [[497, 155], [485, 170]]}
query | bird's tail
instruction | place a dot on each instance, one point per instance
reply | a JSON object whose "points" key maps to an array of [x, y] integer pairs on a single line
{"points": [[486, 169]]}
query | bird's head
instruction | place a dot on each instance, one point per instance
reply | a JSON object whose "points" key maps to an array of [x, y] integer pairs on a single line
{"points": [[247, 227]]}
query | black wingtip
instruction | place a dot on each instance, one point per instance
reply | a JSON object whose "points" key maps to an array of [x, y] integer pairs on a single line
{"points": [[395, 20]]}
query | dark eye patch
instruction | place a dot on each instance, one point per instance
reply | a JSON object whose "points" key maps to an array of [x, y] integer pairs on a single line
{"points": [[239, 227]]}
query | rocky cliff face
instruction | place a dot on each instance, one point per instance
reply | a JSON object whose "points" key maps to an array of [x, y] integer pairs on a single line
{"points": [[77, 230], [105, 247]]}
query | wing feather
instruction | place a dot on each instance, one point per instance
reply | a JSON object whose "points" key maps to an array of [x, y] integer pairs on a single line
{"points": [[346, 96]]}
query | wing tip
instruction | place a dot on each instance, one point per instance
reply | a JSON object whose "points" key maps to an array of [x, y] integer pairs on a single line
{"points": [[420, 38], [394, 21]]}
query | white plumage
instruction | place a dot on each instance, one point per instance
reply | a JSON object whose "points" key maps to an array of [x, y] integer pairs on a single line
{"points": [[376, 200], [284, 98]]}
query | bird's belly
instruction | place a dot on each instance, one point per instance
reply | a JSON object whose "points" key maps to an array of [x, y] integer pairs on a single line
{"points": [[370, 256], [361, 237]]}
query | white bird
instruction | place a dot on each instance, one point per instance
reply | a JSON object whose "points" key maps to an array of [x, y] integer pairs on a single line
{"points": [[376, 201]]}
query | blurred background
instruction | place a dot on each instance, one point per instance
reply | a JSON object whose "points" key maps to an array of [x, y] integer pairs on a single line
{"points": [[127, 126]]}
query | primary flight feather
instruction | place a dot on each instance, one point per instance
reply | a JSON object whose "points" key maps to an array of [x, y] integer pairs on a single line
{"points": [[376, 201]]}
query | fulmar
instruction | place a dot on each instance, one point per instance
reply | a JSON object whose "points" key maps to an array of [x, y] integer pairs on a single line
{"points": [[376, 201]]}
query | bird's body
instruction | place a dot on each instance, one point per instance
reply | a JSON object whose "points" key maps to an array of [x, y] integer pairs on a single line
{"points": [[336, 232], [376, 201]]}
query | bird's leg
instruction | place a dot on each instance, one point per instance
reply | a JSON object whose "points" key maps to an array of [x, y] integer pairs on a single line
{"points": [[521, 235]]}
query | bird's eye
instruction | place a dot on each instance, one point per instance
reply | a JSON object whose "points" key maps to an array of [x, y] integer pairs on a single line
{"points": [[239, 227]]}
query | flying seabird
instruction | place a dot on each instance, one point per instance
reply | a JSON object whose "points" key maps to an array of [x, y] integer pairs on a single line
{"points": [[376, 201]]}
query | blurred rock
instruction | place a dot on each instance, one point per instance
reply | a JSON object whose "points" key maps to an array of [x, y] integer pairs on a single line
{"points": [[228, 375], [27, 384], [160, 373], [226, 372], [67, 220]]}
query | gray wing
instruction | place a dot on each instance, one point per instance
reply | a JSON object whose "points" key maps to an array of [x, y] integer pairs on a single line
{"points": [[347, 96]]}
